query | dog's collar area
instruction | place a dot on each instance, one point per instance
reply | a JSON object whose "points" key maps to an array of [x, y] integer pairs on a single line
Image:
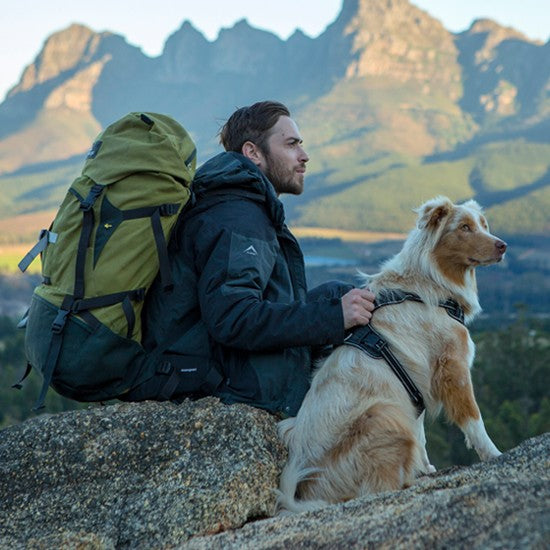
{"points": [[370, 342], [393, 296]]}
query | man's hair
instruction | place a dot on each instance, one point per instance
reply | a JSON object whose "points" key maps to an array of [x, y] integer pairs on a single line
{"points": [[251, 124]]}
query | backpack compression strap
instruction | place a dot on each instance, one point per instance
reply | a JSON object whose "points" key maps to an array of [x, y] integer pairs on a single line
{"points": [[58, 326], [44, 239], [155, 213]]}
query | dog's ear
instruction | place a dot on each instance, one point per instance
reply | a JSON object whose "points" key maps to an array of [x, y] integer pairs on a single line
{"points": [[433, 212]]}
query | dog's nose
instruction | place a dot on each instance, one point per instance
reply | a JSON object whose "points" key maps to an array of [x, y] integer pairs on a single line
{"points": [[501, 246]]}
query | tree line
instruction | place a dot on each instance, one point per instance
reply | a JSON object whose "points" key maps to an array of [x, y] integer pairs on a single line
{"points": [[511, 378]]}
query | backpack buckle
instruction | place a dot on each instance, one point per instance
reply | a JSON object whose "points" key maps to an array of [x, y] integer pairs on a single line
{"points": [[89, 201], [168, 209], [137, 295], [59, 322], [164, 368]]}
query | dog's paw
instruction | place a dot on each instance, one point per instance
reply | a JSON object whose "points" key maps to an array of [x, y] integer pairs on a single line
{"points": [[431, 469], [427, 469], [489, 453]]}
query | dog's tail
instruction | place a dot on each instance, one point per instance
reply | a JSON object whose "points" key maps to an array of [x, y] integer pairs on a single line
{"points": [[293, 474]]}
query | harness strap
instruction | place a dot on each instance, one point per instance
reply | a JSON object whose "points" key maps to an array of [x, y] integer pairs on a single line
{"points": [[369, 341], [179, 368], [90, 320], [392, 296], [454, 309], [166, 361]]}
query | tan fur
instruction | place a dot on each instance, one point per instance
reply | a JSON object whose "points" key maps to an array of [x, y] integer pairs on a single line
{"points": [[357, 431]]}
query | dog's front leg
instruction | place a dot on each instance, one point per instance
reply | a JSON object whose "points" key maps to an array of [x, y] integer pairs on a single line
{"points": [[427, 468], [477, 437], [452, 384]]}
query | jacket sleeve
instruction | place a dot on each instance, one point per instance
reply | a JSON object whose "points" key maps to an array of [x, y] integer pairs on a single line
{"points": [[330, 289], [235, 266]]}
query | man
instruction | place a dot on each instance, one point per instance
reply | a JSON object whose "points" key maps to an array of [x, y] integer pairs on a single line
{"points": [[240, 304]]}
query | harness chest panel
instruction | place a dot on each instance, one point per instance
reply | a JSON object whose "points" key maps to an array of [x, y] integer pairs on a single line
{"points": [[370, 342]]}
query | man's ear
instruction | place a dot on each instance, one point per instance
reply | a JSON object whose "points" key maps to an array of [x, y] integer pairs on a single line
{"points": [[252, 151]]}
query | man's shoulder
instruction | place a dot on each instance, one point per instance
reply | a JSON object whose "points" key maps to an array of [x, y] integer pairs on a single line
{"points": [[235, 206], [230, 214]]}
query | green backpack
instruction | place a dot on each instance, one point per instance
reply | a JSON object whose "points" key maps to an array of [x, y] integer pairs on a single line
{"points": [[101, 254]]}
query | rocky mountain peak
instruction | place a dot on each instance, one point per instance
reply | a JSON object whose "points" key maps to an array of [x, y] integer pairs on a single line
{"points": [[396, 39], [243, 49], [385, 78], [493, 29], [186, 34], [185, 53], [489, 35], [62, 51]]}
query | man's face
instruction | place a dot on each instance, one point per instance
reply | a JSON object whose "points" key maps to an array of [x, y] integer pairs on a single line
{"points": [[284, 159]]}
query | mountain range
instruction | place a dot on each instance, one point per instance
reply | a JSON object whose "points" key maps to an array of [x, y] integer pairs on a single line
{"points": [[394, 109]]}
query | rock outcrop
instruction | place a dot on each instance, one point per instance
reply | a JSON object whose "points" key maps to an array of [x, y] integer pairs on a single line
{"points": [[146, 475], [500, 504], [200, 475]]}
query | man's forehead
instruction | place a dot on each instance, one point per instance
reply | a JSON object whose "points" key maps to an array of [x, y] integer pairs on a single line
{"points": [[284, 129]]}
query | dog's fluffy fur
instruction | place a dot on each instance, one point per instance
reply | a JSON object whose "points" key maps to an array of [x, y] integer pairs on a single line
{"points": [[357, 431]]}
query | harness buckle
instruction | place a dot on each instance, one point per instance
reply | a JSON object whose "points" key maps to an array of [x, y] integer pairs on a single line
{"points": [[454, 309], [374, 341]]}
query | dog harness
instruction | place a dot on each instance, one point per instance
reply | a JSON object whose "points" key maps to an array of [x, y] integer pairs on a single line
{"points": [[369, 341]]}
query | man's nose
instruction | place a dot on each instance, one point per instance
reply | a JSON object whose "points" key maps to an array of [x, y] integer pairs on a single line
{"points": [[303, 155]]}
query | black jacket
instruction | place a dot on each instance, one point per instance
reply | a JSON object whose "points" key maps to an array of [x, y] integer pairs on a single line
{"points": [[240, 298]]}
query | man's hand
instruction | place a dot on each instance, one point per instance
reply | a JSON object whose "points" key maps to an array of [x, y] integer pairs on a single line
{"points": [[357, 305]]}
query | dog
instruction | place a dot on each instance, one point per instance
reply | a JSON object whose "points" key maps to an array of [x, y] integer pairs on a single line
{"points": [[359, 431]]}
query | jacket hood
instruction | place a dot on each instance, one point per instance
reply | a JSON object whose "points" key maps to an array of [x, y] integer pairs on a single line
{"points": [[233, 174]]}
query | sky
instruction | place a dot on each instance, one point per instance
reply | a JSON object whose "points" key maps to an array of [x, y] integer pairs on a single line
{"points": [[27, 23]]}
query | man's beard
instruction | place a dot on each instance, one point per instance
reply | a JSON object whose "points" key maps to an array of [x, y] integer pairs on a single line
{"points": [[284, 180]]}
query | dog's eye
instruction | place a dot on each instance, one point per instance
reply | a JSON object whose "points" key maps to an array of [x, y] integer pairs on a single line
{"points": [[465, 227]]}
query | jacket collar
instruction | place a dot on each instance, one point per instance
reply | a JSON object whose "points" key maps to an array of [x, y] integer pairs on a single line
{"points": [[231, 173]]}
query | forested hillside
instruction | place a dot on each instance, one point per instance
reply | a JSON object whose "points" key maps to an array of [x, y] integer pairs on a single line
{"points": [[511, 377]]}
